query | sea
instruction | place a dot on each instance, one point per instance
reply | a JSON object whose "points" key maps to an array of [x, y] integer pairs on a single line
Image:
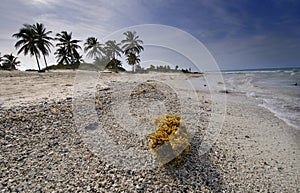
{"points": [[277, 89]]}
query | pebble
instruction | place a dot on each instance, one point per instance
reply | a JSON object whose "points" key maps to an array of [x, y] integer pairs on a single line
{"points": [[43, 151]]}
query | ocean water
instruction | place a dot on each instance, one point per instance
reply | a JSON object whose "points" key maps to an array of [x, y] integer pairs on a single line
{"points": [[274, 89], [277, 90]]}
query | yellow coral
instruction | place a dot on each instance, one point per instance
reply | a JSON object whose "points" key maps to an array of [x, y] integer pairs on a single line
{"points": [[171, 138]]}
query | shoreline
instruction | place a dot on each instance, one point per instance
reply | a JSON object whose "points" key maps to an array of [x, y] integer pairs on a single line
{"points": [[255, 150], [277, 114]]}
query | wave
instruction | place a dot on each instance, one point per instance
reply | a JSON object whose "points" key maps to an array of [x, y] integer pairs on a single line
{"points": [[277, 91]]}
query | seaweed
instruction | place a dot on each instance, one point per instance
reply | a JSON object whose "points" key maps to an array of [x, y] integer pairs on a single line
{"points": [[170, 142]]}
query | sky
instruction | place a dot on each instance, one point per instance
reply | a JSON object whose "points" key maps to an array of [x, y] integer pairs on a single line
{"points": [[237, 34]]}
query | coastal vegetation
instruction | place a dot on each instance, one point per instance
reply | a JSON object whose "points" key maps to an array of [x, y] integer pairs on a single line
{"points": [[36, 41], [33, 40], [9, 62], [132, 47], [67, 51]]}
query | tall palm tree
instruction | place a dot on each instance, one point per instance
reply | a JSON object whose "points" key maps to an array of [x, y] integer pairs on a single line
{"points": [[28, 41], [113, 49], [132, 46], [133, 59], [43, 39], [67, 47], [132, 43], [93, 48], [10, 62]]}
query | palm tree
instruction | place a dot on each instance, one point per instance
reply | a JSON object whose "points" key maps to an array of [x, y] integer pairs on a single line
{"points": [[28, 41], [62, 56], [132, 46], [133, 59], [67, 47], [78, 58], [132, 43], [10, 62], [43, 40], [112, 49], [93, 48]]}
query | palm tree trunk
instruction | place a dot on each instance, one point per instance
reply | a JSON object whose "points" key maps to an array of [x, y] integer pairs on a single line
{"points": [[45, 61], [37, 61]]}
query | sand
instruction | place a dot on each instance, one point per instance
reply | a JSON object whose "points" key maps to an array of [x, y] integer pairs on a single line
{"points": [[25, 87], [255, 151]]}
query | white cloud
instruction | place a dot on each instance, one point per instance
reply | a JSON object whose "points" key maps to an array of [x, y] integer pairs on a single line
{"points": [[41, 3], [83, 18], [216, 24]]}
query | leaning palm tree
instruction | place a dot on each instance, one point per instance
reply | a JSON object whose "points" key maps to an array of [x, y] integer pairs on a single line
{"points": [[10, 62], [112, 49], [68, 46], [28, 42], [93, 48], [132, 43], [133, 59], [43, 39]]}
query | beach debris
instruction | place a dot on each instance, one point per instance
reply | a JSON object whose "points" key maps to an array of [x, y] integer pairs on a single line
{"points": [[143, 88], [140, 91], [16, 117], [224, 91], [150, 80], [170, 142], [104, 89], [53, 110]]}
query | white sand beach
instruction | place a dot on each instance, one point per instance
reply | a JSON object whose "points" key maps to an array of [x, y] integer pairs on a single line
{"points": [[42, 151]]}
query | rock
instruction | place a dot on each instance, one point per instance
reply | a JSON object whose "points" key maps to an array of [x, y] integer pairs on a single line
{"points": [[279, 168]]}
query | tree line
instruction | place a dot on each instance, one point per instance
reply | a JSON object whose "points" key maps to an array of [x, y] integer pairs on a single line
{"points": [[161, 68], [34, 40]]}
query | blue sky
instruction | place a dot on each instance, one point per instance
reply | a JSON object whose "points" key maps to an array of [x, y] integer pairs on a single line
{"points": [[238, 33]]}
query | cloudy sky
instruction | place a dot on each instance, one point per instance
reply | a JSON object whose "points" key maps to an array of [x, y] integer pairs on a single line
{"points": [[239, 34]]}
